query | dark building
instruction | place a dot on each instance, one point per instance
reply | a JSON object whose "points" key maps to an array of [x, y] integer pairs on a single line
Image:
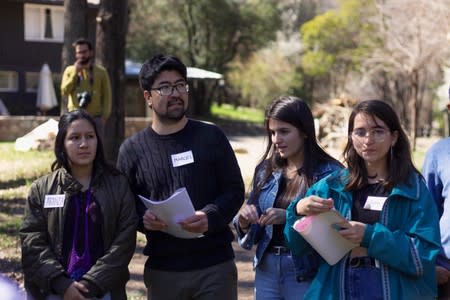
{"points": [[32, 34]]}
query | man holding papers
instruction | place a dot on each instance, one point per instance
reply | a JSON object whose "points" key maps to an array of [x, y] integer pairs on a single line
{"points": [[176, 152]]}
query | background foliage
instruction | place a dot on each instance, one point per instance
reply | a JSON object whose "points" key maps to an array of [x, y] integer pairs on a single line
{"points": [[317, 50]]}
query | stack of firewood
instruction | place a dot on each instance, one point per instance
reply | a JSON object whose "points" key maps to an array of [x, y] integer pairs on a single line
{"points": [[332, 121]]}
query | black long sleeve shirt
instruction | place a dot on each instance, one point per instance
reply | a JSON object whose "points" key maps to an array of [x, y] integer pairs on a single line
{"points": [[213, 181]]}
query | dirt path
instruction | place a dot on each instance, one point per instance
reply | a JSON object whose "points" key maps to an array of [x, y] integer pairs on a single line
{"points": [[136, 289]]}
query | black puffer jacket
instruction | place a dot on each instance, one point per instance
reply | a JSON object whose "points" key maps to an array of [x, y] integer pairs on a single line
{"points": [[42, 234]]}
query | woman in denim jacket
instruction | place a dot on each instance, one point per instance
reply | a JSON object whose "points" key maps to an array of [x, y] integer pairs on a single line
{"points": [[291, 163]]}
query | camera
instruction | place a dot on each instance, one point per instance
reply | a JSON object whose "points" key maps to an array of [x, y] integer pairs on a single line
{"points": [[84, 98]]}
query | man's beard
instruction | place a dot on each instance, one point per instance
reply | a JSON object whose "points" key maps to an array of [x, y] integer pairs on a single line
{"points": [[171, 116], [85, 61]]}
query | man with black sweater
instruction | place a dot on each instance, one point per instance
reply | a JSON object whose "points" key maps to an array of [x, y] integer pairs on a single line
{"points": [[172, 153]]}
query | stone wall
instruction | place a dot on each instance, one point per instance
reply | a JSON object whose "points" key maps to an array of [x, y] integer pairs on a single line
{"points": [[12, 127]]}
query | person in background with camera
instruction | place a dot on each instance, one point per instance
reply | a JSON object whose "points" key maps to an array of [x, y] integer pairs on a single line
{"points": [[87, 85]]}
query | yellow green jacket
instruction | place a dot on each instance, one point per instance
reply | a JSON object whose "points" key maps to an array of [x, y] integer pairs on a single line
{"points": [[100, 91]]}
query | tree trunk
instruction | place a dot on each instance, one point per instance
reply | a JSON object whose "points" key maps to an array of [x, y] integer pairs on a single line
{"points": [[415, 102], [201, 100], [75, 26], [112, 24]]}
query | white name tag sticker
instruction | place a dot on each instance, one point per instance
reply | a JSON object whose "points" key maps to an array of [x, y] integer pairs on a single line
{"points": [[375, 203], [181, 159], [52, 201]]}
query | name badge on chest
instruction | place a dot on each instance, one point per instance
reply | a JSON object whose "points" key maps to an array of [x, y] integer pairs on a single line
{"points": [[375, 203], [52, 201], [181, 159]]}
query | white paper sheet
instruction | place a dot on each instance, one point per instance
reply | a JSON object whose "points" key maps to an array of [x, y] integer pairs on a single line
{"points": [[320, 231], [173, 210]]}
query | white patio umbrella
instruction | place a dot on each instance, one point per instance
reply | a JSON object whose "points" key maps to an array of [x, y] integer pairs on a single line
{"points": [[46, 96]]}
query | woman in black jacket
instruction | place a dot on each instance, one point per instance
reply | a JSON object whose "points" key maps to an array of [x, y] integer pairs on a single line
{"points": [[79, 229]]}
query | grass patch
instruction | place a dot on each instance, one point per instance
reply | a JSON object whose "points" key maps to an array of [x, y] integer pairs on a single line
{"points": [[9, 241], [13, 193], [240, 113], [23, 165], [10, 225], [20, 170], [9, 231]]}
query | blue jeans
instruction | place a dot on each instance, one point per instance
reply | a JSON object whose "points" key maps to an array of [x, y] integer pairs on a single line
{"points": [[275, 279], [363, 283]]}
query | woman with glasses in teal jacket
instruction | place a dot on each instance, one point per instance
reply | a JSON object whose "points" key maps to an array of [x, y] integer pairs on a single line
{"points": [[398, 241]]}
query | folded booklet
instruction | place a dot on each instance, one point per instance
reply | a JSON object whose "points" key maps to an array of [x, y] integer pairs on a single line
{"points": [[173, 210], [321, 232]]}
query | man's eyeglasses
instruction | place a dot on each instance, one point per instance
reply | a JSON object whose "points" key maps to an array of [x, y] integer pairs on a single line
{"points": [[378, 134], [166, 90]]}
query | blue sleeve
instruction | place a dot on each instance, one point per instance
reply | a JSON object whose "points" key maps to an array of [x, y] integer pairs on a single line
{"points": [[434, 183], [251, 237]]}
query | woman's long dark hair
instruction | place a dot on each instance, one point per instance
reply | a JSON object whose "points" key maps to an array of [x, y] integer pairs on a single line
{"points": [[296, 112], [62, 160], [400, 164]]}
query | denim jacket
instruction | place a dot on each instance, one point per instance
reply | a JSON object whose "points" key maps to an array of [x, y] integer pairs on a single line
{"points": [[306, 265]]}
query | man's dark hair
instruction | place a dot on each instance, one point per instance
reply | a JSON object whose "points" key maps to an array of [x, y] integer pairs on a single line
{"points": [[157, 64], [82, 41]]}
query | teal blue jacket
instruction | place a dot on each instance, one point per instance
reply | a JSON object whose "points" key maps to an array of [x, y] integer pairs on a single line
{"points": [[405, 241]]}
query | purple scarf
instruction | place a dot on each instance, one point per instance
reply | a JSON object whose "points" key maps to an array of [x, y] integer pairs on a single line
{"points": [[79, 264]]}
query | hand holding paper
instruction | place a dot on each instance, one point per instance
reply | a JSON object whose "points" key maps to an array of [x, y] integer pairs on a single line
{"points": [[151, 222], [313, 205], [352, 231], [319, 231], [170, 212], [197, 223]]}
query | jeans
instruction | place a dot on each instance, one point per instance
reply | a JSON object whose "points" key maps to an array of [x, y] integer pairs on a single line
{"points": [[363, 283], [275, 279]]}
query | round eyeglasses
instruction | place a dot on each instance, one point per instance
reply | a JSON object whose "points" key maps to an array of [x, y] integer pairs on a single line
{"points": [[166, 90], [377, 134]]}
